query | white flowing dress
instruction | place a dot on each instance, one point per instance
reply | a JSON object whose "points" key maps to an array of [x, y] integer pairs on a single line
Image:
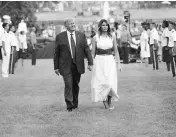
{"points": [[145, 48], [104, 75]]}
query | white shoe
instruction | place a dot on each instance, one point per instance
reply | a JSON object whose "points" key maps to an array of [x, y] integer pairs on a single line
{"points": [[111, 107]]}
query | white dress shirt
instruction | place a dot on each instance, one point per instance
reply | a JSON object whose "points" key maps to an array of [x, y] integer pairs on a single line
{"points": [[163, 37], [7, 40], [172, 38], [69, 39], [14, 40], [154, 36]]}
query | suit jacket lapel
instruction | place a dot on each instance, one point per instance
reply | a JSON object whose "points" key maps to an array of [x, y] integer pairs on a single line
{"points": [[67, 42]]}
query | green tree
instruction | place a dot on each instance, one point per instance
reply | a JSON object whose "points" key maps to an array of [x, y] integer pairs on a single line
{"points": [[20, 10]]}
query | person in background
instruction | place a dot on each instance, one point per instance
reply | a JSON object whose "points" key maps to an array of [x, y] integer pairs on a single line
{"points": [[125, 40], [174, 48], [172, 43], [118, 34], [45, 33], [148, 33], [14, 49], [88, 33], [165, 42], [22, 46], [22, 27], [154, 45], [160, 31], [1, 34], [145, 48], [33, 42], [6, 49]]}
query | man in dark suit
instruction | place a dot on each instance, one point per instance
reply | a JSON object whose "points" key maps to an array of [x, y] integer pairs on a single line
{"points": [[70, 50]]}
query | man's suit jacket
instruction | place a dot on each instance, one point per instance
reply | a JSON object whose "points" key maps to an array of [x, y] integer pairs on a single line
{"points": [[62, 53]]}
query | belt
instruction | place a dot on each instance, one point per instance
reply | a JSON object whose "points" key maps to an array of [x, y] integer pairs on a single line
{"points": [[104, 52]]}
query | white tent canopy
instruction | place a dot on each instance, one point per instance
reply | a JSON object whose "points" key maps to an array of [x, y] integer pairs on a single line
{"points": [[166, 2]]}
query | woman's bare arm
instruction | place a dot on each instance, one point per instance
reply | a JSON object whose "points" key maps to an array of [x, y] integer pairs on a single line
{"points": [[94, 45]]}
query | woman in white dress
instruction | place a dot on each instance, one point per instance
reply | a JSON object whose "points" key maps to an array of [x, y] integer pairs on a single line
{"points": [[105, 71], [145, 48]]}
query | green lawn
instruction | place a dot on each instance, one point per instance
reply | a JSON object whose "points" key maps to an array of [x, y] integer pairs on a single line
{"points": [[32, 105]]}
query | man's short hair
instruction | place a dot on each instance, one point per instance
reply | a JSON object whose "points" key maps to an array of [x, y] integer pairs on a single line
{"points": [[171, 22], [67, 20], [153, 23], [125, 25], [4, 25]]}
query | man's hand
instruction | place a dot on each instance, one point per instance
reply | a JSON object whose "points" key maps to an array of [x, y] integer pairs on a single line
{"points": [[57, 72], [90, 67], [5, 53], [119, 67]]}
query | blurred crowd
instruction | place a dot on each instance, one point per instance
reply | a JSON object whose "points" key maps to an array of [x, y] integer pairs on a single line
{"points": [[14, 42], [150, 42]]}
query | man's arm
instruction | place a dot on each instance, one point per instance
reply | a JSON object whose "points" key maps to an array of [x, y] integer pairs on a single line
{"points": [[56, 55], [3, 46], [32, 37], [116, 52], [87, 52], [93, 47]]}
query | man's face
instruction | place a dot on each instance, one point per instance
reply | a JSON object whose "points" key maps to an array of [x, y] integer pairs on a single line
{"points": [[163, 26], [170, 27], [34, 29], [151, 26], [70, 25], [124, 27], [7, 27], [13, 28]]}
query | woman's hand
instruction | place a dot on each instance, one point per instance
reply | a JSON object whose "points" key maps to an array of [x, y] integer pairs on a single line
{"points": [[119, 67]]}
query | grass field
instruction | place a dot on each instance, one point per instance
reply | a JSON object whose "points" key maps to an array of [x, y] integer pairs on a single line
{"points": [[32, 105]]}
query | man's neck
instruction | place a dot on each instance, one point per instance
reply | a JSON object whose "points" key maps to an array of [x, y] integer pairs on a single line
{"points": [[70, 31]]}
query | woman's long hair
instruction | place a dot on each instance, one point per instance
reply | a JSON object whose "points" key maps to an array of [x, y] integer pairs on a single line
{"points": [[100, 30]]}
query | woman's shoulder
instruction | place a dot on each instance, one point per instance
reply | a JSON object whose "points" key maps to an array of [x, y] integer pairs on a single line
{"points": [[96, 37]]}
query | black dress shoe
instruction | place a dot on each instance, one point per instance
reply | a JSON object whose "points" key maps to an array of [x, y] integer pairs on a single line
{"points": [[106, 104], [69, 110], [173, 75], [75, 107]]}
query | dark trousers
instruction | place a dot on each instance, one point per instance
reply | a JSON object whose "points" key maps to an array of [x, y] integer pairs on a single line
{"points": [[34, 55], [154, 57], [72, 87], [171, 62], [125, 52], [13, 60]]}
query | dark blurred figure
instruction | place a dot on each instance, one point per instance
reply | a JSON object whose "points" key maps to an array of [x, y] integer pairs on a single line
{"points": [[154, 38], [165, 42], [171, 45], [125, 40]]}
